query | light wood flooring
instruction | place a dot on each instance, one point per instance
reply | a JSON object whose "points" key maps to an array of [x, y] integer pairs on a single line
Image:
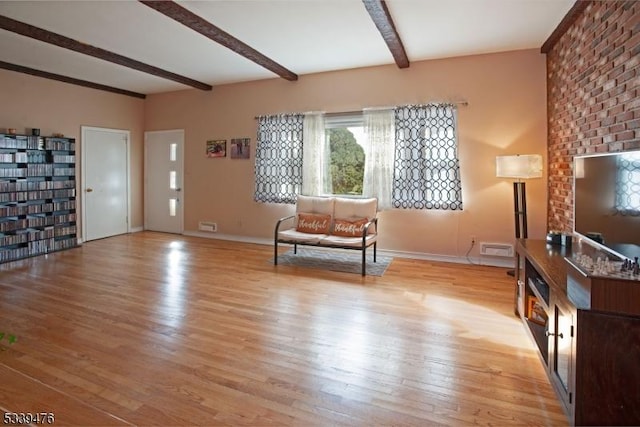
{"points": [[158, 329]]}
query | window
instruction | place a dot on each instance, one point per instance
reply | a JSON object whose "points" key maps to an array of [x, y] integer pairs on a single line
{"points": [[345, 138], [407, 157], [628, 184]]}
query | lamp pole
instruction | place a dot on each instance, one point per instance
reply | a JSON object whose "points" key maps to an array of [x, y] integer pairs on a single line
{"points": [[520, 213], [520, 209], [519, 167]]}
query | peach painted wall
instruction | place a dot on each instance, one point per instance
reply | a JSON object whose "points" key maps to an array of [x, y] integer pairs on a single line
{"points": [[506, 115], [56, 107]]}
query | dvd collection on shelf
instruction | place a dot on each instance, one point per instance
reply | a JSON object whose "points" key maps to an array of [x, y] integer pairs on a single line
{"points": [[37, 195]]}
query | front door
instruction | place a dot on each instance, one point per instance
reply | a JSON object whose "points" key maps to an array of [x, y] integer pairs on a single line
{"points": [[163, 188]]}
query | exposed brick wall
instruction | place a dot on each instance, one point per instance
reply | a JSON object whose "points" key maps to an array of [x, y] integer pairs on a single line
{"points": [[593, 85]]}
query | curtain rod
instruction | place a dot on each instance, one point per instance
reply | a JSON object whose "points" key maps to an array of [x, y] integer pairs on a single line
{"points": [[461, 103]]}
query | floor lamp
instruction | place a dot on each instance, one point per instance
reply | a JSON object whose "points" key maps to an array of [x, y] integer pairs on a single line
{"points": [[519, 167]]}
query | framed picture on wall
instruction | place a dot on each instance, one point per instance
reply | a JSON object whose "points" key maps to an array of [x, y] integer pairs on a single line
{"points": [[240, 148], [217, 148]]}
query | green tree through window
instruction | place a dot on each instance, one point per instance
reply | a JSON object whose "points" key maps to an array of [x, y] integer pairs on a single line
{"points": [[347, 161]]}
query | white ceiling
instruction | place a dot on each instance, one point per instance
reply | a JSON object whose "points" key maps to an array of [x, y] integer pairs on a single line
{"points": [[304, 36]]}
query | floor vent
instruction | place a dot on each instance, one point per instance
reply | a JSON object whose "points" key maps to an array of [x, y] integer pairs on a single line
{"points": [[496, 249], [211, 227]]}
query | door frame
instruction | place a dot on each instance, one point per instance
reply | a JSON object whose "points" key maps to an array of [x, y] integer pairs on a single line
{"points": [[146, 183], [83, 188]]}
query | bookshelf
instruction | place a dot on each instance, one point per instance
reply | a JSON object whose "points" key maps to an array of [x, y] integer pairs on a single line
{"points": [[37, 195]]}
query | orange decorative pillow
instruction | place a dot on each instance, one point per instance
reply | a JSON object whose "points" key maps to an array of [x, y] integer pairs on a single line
{"points": [[346, 228], [313, 223]]}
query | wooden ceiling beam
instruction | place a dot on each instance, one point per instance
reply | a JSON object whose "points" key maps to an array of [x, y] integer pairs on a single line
{"points": [[207, 29], [46, 36], [58, 77], [382, 18]]}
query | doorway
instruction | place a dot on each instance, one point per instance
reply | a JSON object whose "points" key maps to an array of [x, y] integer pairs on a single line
{"points": [[105, 182], [163, 182]]}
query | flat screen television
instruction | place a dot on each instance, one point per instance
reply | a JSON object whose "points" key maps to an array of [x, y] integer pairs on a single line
{"points": [[607, 201]]}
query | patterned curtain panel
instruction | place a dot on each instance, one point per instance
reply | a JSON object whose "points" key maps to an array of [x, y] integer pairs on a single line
{"points": [[628, 184], [427, 170], [279, 158]]}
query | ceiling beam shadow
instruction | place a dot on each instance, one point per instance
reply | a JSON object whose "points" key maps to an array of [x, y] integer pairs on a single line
{"points": [[71, 80], [46, 36], [382, 18], [207, 29]]}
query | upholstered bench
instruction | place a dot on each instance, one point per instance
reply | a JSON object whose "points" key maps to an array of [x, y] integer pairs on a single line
{"points": [[332, 222]]}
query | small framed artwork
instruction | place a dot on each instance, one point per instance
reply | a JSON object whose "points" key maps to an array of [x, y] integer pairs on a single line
{"points": [[536, 312], [217, 148], [240, 148]]}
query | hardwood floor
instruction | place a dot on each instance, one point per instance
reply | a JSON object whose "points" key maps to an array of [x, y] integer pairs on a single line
{"points": [[159, 329]]}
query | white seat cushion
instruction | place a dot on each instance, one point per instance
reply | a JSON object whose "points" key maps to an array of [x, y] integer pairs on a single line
{"points": [[350, 242], [296, 236], [315, 204], [352, 209], [355, 208]]}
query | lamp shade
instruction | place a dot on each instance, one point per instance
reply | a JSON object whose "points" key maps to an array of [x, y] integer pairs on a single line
{"points": [[519, 166]]}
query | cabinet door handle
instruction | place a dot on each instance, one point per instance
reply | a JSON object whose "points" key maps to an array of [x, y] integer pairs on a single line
{"points": [[89, 190], [551, 334]]}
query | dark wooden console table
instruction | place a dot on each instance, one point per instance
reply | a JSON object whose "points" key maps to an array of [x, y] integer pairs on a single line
{"points": [[587, 329]]}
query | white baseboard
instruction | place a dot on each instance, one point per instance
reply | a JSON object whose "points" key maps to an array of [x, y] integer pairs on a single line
{"points": [[132, 230], [494, 262], [490, 261], [229, 237]]}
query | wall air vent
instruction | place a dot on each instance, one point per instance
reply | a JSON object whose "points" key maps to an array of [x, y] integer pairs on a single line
{"points": [[211, 227], [496, 249]]}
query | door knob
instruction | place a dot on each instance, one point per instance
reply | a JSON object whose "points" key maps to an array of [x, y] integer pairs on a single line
{"points": [[178, 189], [551, 334], [89, 190]]}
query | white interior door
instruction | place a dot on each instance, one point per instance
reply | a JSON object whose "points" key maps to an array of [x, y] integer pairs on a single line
{"points": [[163, 184], [105, 182]]}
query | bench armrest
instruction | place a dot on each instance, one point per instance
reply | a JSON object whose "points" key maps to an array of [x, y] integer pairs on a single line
{"points": [[280, 221], [367, 226], [275, 237]]}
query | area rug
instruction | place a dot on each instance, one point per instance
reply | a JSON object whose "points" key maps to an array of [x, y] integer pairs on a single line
{"points": [[335, 260]]}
